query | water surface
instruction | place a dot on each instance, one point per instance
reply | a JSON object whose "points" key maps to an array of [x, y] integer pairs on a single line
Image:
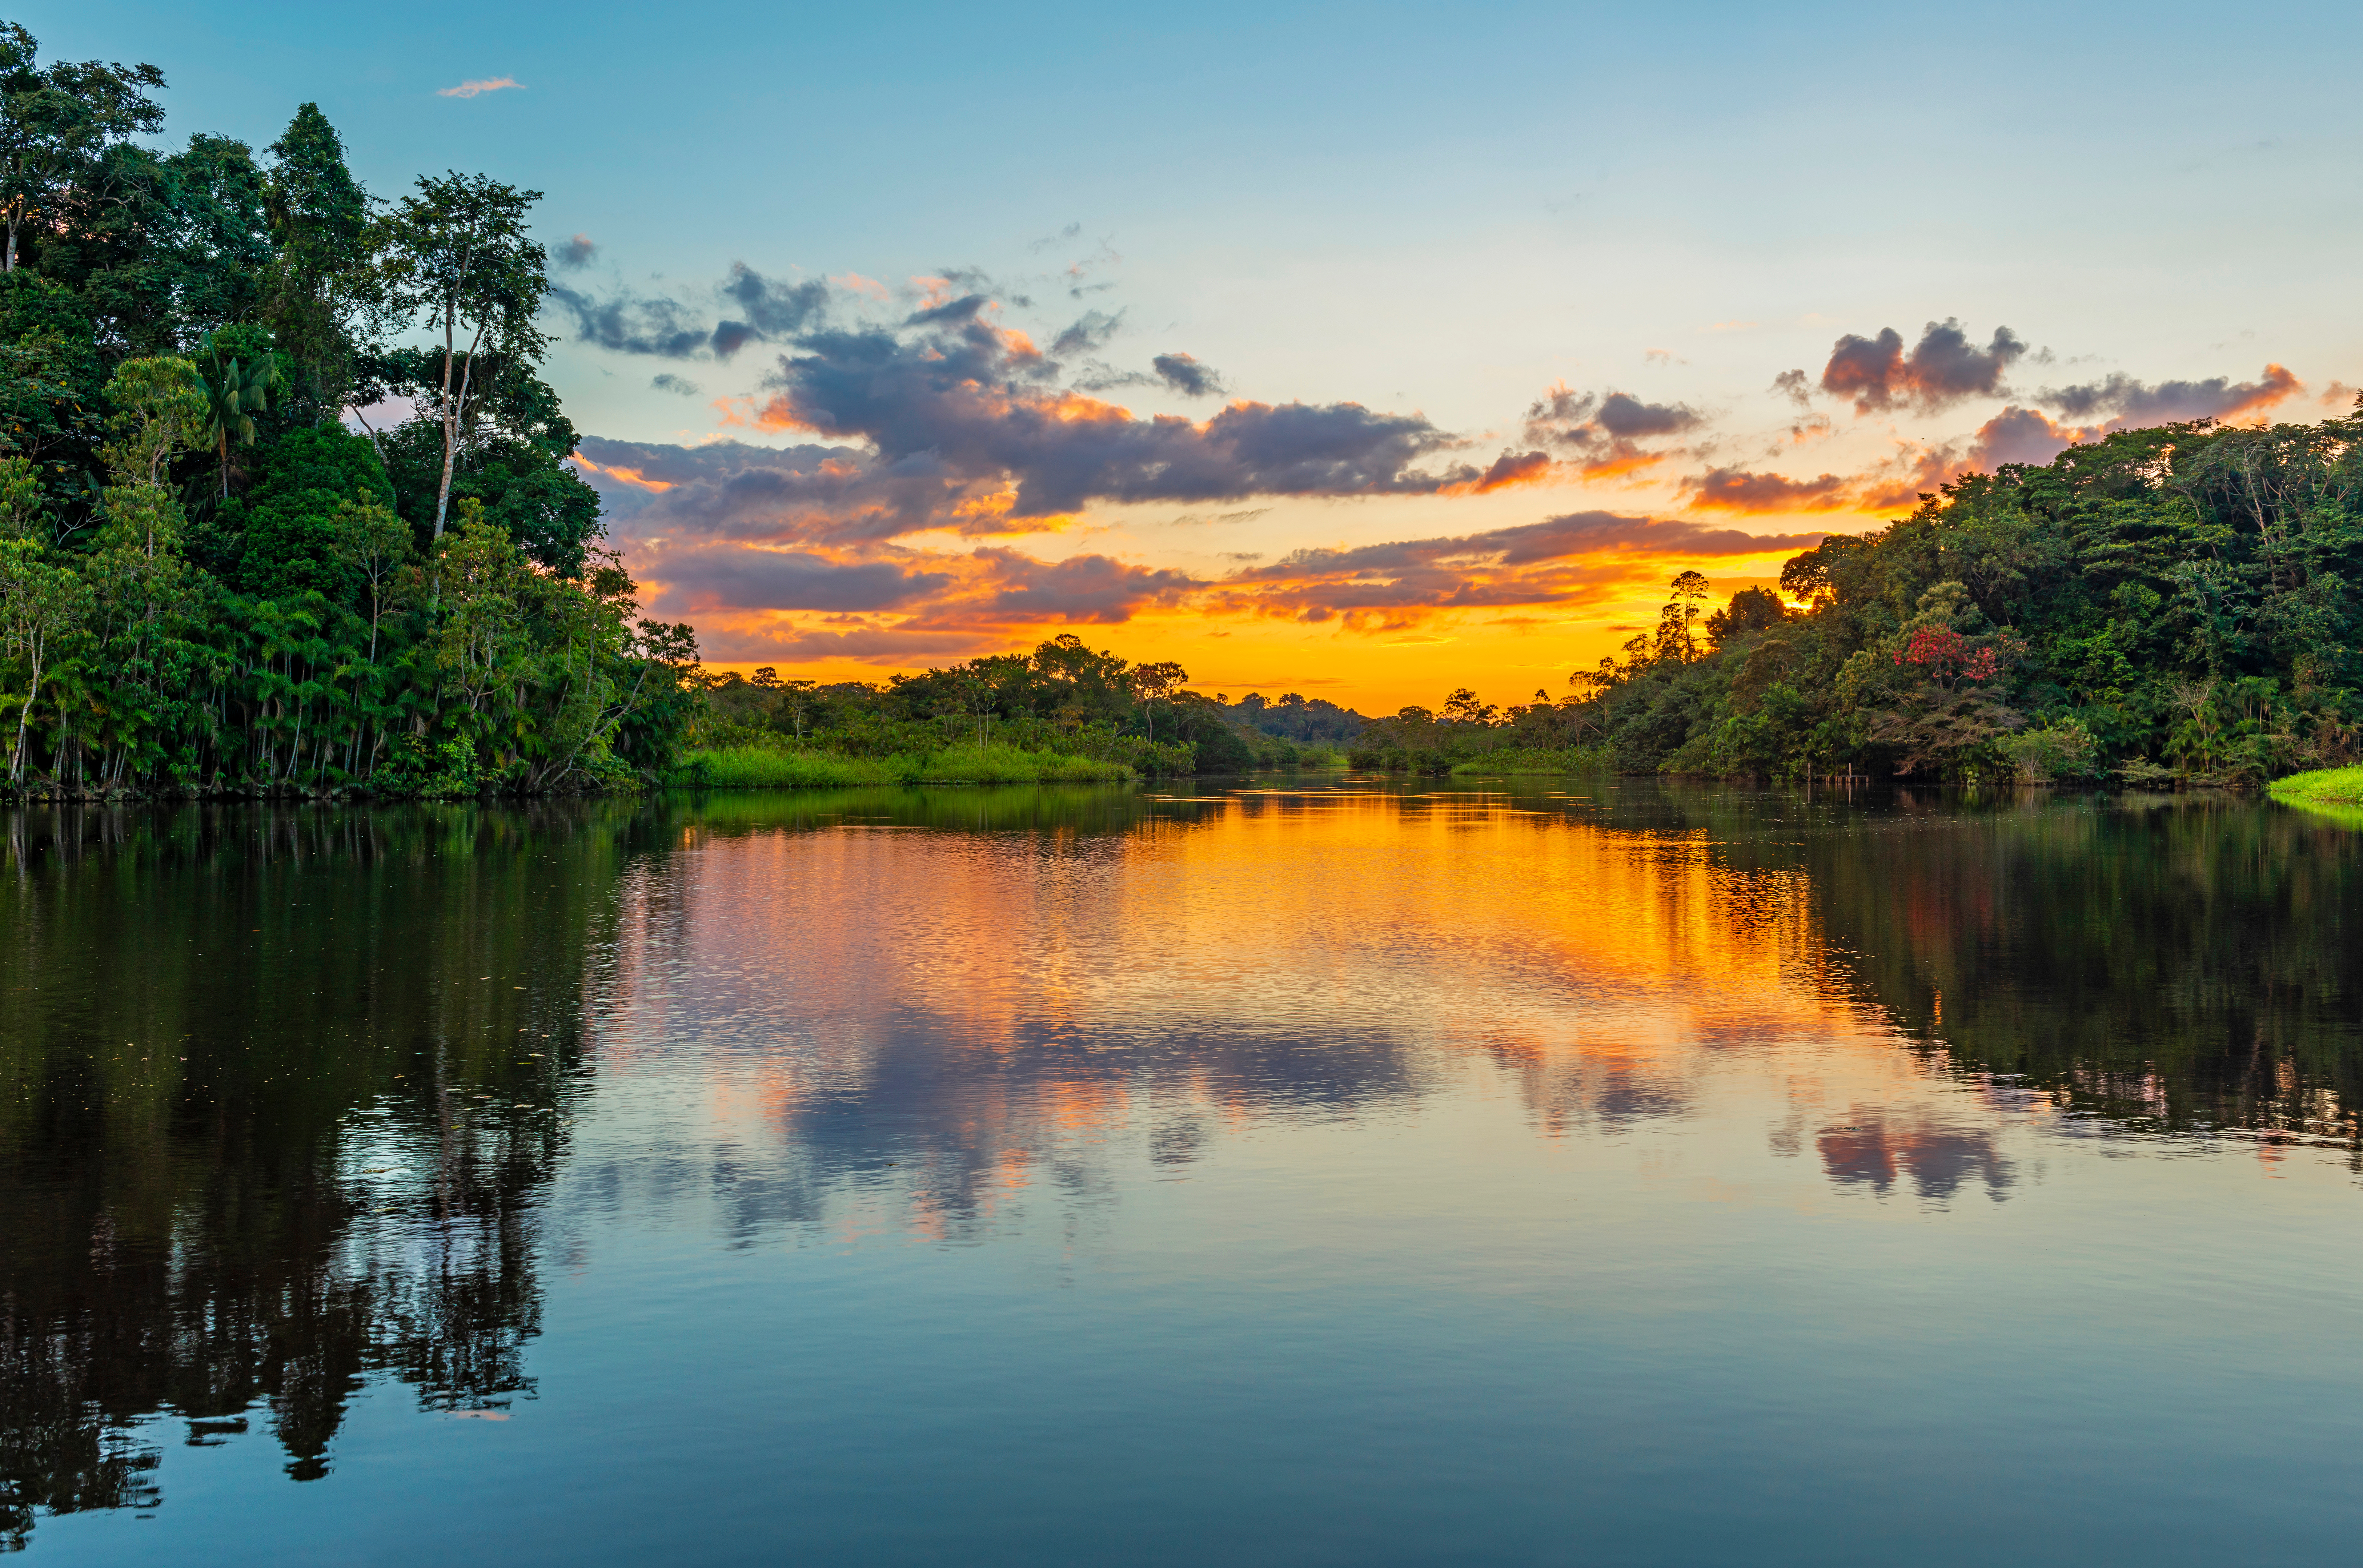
{"points": [[1619, 1172]]}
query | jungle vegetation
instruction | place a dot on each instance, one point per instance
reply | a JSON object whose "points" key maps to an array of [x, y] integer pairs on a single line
{"points": [[1066, 711], [2162, 606], [208, 583]]}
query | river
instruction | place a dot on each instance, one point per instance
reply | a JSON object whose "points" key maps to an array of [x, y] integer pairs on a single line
{"points": [[1274, 1172]]}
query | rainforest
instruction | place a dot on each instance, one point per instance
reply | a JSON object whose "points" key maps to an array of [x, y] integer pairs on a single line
{"points": [[210, 583]]}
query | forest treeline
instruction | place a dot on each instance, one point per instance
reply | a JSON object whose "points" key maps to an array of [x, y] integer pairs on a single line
{"points": [[2168, 604], [208, 582], [1065, 699], [2173, 605]]}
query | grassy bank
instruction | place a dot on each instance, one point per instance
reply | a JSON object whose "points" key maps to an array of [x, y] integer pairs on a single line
{"points": [[1512, 761], [2335, 792], [766, 767]]}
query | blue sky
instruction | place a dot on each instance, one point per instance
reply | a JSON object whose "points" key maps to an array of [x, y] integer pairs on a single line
{"points": [[1418, 210]]}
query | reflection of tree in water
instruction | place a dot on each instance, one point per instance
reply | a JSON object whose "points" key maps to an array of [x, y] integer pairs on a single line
{"points": [[2168, 963], [199, 1224]]}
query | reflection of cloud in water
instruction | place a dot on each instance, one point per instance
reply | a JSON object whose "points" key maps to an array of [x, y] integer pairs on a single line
{"points": [[1874, 1148]]}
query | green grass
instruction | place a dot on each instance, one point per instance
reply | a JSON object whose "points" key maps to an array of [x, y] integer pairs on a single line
{"points": [[766, 767], [2333, 792], [1511, 761]]}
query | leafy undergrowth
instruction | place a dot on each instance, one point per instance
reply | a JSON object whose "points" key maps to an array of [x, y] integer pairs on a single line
{"points": [[2334, 792], [766, 767], [1514, 760]]}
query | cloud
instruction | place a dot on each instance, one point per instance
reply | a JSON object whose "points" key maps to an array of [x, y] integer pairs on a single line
{"points": [[757, 311], [727, 576], [1624, 416], [2137, 404], [475, 89], [1605, 433], [975, 404], [678, 385], [1510, 468], [659, 326], [1088, 331], [1735, 490], [576, 252], [1186, 376], [803, 494], [1579, 557], [1941, 370], [2020, 436], [1792, 385]]}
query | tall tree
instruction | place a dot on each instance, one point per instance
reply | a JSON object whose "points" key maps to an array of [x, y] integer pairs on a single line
{"points": [[460, 259], [56, 124], [322, 284]]}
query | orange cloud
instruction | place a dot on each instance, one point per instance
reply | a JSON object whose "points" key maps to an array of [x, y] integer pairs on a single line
{"points": [[1509, 471], [632, 477]]}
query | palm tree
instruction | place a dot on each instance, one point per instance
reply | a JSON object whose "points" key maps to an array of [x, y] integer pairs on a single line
{"points": [[234, 394]]}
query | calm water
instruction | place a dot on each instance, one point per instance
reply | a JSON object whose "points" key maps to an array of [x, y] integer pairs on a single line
{"points": [[1625, 1173]]}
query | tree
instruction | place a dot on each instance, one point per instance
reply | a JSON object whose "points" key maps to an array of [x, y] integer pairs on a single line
{"points": [[235, 394], [376, 544], [39, 604], [56, 124], [1464, 708], [1153, 683], [460, 259], [1681, 613], [1750, 609], [322, 276]]}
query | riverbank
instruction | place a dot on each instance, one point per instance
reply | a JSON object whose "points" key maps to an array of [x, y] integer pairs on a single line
{"points": [[768, 767], [2335, 792]]}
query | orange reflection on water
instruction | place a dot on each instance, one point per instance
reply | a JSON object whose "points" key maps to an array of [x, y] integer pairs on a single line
{"points": [[1024, 994]]}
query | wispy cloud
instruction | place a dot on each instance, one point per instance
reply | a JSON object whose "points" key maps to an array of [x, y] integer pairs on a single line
{"points": [[477, 89]]}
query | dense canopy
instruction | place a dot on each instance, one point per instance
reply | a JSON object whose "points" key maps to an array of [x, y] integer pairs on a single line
{"points": [[208, 581]]}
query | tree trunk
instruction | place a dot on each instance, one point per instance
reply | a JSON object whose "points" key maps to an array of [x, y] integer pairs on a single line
{"points": [[25, 718]]}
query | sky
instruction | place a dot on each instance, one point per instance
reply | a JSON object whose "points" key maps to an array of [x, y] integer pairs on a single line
{"points": [[1362, 352]]}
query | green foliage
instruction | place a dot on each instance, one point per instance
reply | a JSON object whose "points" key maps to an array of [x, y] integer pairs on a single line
{"points": [[2335, 793], [759, 767], [1065, 699], [207, 585], [2167, 603]]}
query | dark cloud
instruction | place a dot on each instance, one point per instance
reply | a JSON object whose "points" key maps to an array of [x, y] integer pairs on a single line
{"points": [[1735, 490], [670, 328], [768, 312], [1088, 333], [575, 253], [680, 385], [804, 493], [2135, 404], [742, 578], [627, 325], [963, 309], [958, 395], [1186, 376], [1941, 370], [1509, 468], [1096, 588], [1794, 386], [1605, 433], [1627, 417]]}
